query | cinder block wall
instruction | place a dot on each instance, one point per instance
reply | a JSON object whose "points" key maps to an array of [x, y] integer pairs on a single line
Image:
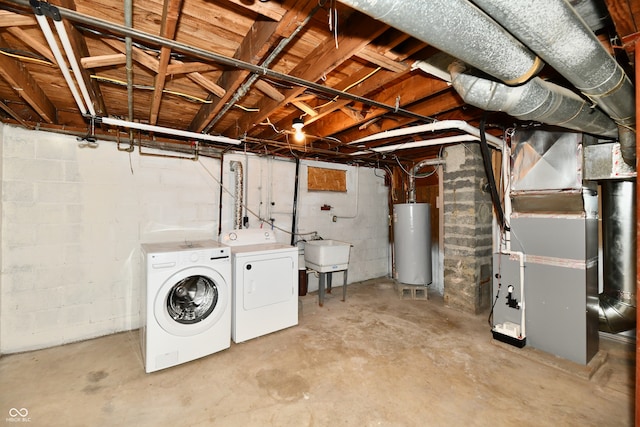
{"points": [[467, 230], [73, 220], [362, 219], [72, 223]]}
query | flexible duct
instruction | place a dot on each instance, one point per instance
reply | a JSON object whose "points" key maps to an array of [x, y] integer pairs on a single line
{"points": [[460, 29], [236, 167], [618, 300], [414, 173], [535, 100], [554, 31]]}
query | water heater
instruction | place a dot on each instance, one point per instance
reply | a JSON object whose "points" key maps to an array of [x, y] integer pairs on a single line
{"points": [[412, 243]]}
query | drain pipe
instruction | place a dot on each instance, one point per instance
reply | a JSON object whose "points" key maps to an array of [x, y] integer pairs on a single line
{"points": [[431, 127], [40, 9], [554, 31], [535, 100], [128, 22]]}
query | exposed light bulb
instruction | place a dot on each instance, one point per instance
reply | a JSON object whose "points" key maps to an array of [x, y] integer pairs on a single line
{"points": [[298, 136], [297, 125]]}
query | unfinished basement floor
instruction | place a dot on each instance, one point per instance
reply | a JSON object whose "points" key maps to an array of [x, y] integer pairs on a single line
{"points": [[374, 360]]}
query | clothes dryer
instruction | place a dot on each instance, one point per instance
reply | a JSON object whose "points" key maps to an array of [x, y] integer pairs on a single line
{"points": [[186, 302], [265, 283]]}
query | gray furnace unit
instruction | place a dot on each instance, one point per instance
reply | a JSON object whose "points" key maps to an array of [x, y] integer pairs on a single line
{"points": [[546, 274]]}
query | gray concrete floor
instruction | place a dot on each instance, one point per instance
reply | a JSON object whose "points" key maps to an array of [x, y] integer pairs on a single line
{"points": [[374, 360]]}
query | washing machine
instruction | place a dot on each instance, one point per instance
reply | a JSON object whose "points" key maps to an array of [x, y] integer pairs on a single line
{"points": [[185, 302], [265, 283]]}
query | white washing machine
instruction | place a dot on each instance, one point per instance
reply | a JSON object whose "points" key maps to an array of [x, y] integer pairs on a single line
{"points": [[265, 283], [186, 302]]}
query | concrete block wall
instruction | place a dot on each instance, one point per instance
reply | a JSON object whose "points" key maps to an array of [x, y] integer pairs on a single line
{"points": [[362, 212], [467, 230], [362, 219], [73, 220]]}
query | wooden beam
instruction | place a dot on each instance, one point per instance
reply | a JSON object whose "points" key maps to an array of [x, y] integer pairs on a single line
{"points": [[270, 9], [103, 60], [269, 90], [356, 34], [230, 81], [208, 84], [17, 75], [32, 42], [178, 67], [304, 107], [254, 47], [138, 55], [411, 90], [369, 54], [13, 114], [10, 19], [170, 15]]}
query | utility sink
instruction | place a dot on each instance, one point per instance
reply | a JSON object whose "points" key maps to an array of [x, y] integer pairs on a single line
{"points": [[326, 255]]}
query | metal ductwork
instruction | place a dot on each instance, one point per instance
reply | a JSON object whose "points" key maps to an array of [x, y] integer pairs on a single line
{"points": [[504, 49], [535, 100], [618, 300], [236, 167], [460, 29], [554, 31]]}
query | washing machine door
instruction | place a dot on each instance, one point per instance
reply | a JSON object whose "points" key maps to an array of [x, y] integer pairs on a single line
{"points": [[191, 301]]}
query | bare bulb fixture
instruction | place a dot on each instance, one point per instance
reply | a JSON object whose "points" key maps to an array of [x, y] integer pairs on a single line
{"points": [[297, 125]]}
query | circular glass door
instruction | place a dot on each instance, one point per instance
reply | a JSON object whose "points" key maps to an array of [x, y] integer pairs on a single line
{"points": [[192, 299]]}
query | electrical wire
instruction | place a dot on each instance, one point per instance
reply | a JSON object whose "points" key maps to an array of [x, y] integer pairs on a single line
{"points": [[186, 96], [28, 58]]}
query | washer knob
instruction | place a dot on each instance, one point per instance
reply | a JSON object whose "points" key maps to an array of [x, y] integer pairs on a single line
{"points": [[194, 257]]}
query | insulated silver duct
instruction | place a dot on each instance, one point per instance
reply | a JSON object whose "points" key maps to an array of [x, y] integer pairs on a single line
{"points": [[618, 300], [460, 29], [535, 100], [236, 167], [554, 30]]}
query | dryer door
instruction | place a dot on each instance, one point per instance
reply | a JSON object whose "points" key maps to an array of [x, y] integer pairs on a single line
{"points": [[191, 301], [266, 279]]}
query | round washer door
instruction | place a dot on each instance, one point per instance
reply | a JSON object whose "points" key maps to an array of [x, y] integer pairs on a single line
{"points": [[191, 301]]}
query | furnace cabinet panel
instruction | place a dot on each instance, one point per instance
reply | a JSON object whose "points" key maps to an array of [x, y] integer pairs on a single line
{"points": [[560, 283]]}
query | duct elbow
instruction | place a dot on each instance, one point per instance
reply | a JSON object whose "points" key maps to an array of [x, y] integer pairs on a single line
{"points": [[627, 138], [616, 315], [536, 100]]}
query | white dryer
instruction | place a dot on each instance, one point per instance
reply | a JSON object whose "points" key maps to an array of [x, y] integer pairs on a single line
{"points": [[265, 283], [186, 302]]}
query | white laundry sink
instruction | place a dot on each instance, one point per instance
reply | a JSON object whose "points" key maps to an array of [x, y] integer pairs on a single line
{"points": [[326, 255]]}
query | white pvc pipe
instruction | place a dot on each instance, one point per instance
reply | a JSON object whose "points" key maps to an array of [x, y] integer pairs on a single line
{"points": [[418, 144], [62, 33], [48, 34], [435, 126], [521, 256], [169, 131]]}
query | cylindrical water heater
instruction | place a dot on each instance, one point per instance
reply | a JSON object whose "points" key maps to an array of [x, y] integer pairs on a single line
{"points": [[412, 242]]}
